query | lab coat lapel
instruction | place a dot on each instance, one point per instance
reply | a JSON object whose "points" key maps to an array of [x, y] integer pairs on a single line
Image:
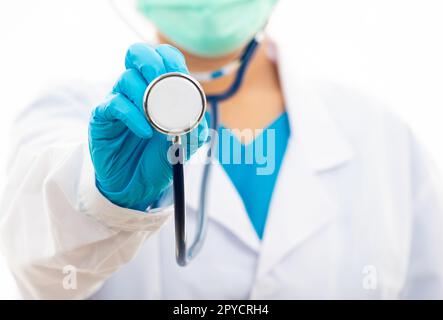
{"points": [[301, 205], [225, 206]]}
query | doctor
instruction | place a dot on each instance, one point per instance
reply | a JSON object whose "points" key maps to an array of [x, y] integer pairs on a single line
{"points": [[350, 208]]}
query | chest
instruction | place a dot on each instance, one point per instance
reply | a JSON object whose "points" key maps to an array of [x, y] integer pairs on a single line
{"points": [[335, 263], [323, 240], [253, 111]]}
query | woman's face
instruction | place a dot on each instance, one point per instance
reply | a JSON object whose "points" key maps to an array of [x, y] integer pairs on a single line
{"points": [[209, 28]]}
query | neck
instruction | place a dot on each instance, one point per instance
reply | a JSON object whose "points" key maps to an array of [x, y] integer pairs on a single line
{"points": [[204, 64], [201, 64], [258, 101]]}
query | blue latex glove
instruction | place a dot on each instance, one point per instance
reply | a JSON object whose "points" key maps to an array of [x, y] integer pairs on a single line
{"points": [[129, 156]]}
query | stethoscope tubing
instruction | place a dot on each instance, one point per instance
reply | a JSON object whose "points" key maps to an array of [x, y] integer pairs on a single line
{"points": [[184, 254], [179, 206]]}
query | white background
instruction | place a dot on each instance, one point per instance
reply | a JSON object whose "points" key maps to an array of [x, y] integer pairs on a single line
{"points": [[391, 49]]}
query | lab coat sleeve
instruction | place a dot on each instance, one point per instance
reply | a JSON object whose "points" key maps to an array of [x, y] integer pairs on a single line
{"points": [[425, 271], [61, 237]]}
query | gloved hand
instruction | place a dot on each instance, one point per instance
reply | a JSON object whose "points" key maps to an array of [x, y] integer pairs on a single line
{"points": [[129, 156]]}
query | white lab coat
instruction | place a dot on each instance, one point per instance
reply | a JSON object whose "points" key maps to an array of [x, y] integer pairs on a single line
{"points": [[356, 212]]}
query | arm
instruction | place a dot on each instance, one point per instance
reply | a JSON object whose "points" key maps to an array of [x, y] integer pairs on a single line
{"points": [[79, 185], [425, 274], [53, 216]]}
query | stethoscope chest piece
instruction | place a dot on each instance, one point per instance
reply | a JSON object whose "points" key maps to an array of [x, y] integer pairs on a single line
{"points": [[175, 104]]}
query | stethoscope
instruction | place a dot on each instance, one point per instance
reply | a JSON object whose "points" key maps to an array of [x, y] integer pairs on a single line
{"points": [[175, 104]]}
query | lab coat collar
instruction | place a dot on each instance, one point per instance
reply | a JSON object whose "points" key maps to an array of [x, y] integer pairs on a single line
{"points": [[301, 205], [314, 130]]}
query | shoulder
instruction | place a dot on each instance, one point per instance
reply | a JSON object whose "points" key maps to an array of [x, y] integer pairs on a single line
{"points": [[82, 92], [363, 119], [380, 138], [70, 98]]}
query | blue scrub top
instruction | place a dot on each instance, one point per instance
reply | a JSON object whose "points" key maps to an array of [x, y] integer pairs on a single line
{"points": [[255, 189]]}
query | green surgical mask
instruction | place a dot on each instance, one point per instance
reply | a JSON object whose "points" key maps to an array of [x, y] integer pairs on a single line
{"points": [[208, 27]]}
